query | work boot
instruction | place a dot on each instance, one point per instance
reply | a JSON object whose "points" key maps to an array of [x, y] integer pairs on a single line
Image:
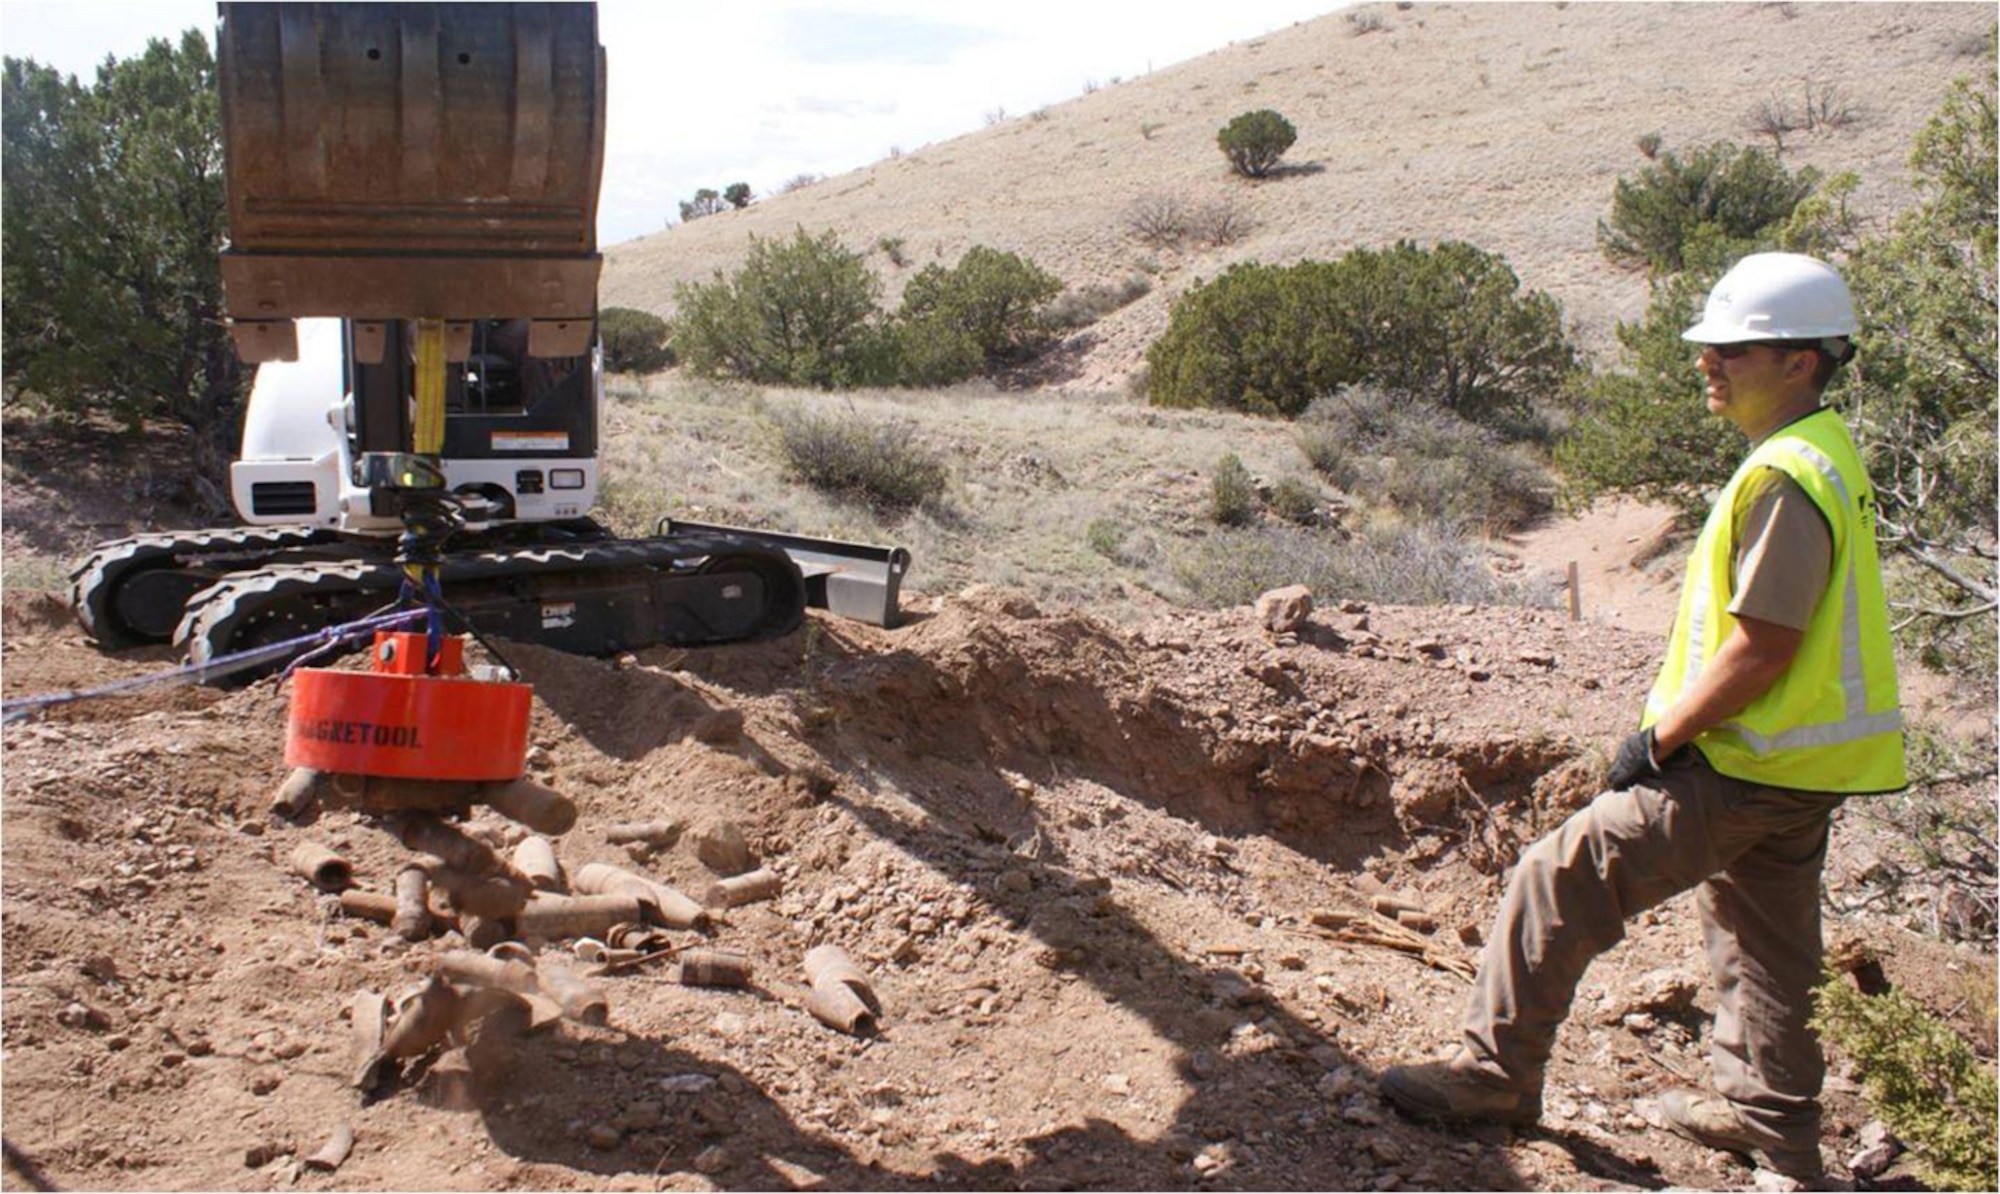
{"points": [[1712, 1123], [1458, 1092]]}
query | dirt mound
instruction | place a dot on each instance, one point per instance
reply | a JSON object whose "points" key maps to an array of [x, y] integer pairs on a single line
{"points": [[1080, 862]]}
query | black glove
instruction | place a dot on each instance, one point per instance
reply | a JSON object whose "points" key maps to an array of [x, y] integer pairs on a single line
{"points": [[1636, 760]]}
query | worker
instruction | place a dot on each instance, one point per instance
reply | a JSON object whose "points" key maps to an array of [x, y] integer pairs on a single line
{"points": [[1777, 700]]}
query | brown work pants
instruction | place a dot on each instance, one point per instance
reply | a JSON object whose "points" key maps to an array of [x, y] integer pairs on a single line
{"points": [[1756, 854]]}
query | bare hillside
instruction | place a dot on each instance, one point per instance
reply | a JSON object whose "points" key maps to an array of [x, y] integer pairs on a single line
{"points": [[1501, 124]]}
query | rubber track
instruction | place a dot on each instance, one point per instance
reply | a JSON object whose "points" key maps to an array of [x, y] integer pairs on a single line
{"points": [[94, 581], [218, 616]]}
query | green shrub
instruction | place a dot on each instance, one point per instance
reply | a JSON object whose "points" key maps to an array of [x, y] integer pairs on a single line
{"points": [[115, 207], [737, 195], [1645, 429], [878, 464], [1254, 141], [1921, 397], [1105, 537], [706, 202], [892, 248], [634, 341], [1404, 565], [996, 298], [1295, 501], [1232, 495], [1448, 324], [804, 312], [800, 312], [932, 351], [1922, 1079], [1737, 192], [1424, 461], [1333, 455], [1504, 490]]}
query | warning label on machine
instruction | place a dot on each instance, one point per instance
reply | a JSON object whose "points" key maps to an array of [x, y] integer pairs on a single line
{"points": [[531, 441]]}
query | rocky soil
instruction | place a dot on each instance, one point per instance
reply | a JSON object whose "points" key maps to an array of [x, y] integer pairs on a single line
{"points": [[1081, 863]]}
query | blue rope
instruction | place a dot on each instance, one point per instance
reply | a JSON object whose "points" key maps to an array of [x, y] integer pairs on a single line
{"points": [[433, 621], [319, 642]]}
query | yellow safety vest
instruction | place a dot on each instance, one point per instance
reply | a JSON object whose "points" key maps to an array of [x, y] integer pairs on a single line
{"points": [[1831, 722]]}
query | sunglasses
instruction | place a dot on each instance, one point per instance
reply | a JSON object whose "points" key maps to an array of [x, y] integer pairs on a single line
{"points": [[1730, 352]]}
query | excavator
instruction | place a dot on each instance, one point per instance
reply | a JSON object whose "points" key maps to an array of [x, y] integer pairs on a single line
{"points": [[412, 269]]}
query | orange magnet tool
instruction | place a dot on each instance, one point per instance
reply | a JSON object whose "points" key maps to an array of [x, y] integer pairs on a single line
{"points": [[399, 720]]}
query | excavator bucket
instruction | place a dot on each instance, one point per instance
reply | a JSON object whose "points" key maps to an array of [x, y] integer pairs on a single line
{"points": [[404, 161]]}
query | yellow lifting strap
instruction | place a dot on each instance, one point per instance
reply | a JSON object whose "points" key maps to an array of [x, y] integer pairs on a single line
{"points": [[427, 435], [429, 432]]}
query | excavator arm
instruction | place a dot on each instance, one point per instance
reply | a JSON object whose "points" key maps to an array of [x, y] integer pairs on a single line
{"points": [[428, 173]]}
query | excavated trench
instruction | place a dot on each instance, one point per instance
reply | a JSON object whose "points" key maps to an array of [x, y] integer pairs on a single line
{"points": [[976, 708]]}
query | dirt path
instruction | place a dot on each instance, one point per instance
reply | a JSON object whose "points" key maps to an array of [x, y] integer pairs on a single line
{"points": [[1079, 861]]}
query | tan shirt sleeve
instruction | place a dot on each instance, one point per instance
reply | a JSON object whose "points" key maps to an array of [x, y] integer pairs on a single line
{"points": [[1784, 553]]}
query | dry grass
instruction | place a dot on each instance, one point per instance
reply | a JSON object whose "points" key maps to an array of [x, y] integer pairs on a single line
{"points": [[1499, 124], [1079, 498]]}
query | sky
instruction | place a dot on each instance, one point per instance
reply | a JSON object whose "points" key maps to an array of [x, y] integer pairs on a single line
{"points": [[760, 91]]}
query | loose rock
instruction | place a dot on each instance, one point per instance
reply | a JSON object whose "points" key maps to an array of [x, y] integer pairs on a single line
{"points": [[721, 847], [1283, 611], [1666, 992]]}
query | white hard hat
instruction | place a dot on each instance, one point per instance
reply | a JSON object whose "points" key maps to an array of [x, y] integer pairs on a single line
{"points": [[1776, 296]]}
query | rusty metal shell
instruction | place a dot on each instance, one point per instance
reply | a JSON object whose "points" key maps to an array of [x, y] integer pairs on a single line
{"points": [[423, 1020], [536, 805], [737, 890], [842, 996], [370, 1016], [535, 858], [663, 904], [580, 1000], [296, 796], [662, 834], [831, 964], [511, 951], [493, 898], [411, 918], [333, 1153], [714, 968], [368, 905], [637, 936], [485, 970], [836, 1005], [321, 867], [481, 933], [427, 835], [552, 917]]}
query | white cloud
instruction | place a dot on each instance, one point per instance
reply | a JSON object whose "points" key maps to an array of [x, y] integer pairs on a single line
{"points": [[761, 90]]}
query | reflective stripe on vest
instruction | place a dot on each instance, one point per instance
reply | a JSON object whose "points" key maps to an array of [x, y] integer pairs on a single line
{"points": [[1832, 751]]}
